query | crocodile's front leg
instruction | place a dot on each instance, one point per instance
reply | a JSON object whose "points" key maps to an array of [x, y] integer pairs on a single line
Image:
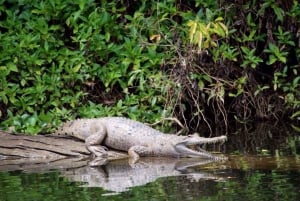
{"points": [[93, 142]]}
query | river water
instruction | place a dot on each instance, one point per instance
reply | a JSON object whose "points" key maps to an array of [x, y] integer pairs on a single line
{"points": [[264, 168]]}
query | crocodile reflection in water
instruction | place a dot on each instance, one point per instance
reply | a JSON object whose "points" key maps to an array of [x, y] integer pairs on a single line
{"points": [[119, 176]]}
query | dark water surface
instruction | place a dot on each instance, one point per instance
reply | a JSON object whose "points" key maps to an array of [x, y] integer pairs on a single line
{"points": [[254, 171]]}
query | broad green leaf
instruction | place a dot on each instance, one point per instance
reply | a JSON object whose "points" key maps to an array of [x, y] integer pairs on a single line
{"points": [[282, 59], [296, 81], [278, 12], [219, 30], [201, 85], [199, 39], [207, 78], [81, 4], [272, 60], [296, 128], [76, 68], [193, 26], [296, 114], [12, 67], [209, 14], [219, 19], [224, 27], [3, 97]]}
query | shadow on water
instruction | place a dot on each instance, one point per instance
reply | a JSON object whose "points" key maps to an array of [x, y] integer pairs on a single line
{"points": [[260, 167]]}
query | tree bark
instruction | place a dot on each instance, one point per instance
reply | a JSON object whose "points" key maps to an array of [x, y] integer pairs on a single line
{"points": [[34, 152], [40, 146]]}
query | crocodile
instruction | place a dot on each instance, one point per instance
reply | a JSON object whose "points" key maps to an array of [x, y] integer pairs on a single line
{"points": [[136, 138]]}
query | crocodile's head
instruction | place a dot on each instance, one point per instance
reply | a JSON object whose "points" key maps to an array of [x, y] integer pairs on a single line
{"points": [[189, 146]]}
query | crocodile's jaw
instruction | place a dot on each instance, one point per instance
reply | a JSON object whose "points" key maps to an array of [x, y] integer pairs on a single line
{"points": [[184, 151], [195, 139]]}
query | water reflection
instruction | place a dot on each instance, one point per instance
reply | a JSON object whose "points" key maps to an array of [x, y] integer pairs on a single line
{"points": [[264, 139], [240, 178], [262, 165], [119, 176], [254, 162]]}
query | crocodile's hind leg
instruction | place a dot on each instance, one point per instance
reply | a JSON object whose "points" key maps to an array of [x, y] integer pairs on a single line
{"points": [[93, 142], [134, 153]]}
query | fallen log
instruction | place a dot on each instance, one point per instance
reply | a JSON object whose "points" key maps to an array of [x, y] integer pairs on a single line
{"points": [[40, 146], [25, 150]]}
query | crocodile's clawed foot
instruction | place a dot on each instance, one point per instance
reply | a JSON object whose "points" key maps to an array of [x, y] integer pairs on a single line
{"points": [[98, 151], [133, 158]]}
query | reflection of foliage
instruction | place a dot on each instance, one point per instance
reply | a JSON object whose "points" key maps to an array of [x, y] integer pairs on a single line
{"points": [[259, 185], [47, 186], [246, 185], [265, 139]]}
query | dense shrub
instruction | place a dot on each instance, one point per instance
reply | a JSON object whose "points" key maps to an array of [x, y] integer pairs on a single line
{"points": [[202, 62]]}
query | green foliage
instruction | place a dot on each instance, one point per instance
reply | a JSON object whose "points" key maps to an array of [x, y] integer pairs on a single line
{"points": [[53, 52], [146, 60], [272, 4], [35, 65], [250, 58], [228, 53], [263, 39], [284, 38], [275, 54], [201, 32], [239, 85], [290, 89]]}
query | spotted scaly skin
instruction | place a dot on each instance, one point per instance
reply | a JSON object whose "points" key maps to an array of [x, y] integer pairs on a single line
{"points": [[136, 138]]}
